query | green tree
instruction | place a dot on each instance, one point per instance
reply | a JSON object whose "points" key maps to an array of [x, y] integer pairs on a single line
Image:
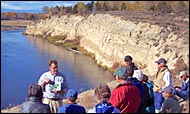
{"points": [[123, 6]]}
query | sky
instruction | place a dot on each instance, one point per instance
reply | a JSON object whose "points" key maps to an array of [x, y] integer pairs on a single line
{"points": [[33, 6]]}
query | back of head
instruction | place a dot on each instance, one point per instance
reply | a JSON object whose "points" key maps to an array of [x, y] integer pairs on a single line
{"points": [[102, 92], [138, 74], [121, 72], [35, 90], [72, 95]]}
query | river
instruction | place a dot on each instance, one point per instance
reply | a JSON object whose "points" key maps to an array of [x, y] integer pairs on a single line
{"points": [[25, 58]]}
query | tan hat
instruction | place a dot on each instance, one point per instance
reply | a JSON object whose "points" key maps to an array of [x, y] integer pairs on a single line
{"points": [[182, 73]]}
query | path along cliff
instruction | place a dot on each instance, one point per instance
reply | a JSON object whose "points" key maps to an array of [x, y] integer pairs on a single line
{"points": [[111, 36]]}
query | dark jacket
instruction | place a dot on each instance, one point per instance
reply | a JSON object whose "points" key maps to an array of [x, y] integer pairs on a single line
{"points": [[138, 84], [34, 105]]}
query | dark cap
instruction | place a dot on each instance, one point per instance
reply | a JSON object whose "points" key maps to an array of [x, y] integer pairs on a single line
{"points": [[166, 89], [72, 93], [161, 60], [121, 72], [128, 58]]}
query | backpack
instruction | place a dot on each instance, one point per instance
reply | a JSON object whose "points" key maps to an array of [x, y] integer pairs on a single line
{"points": [[104, 108]]}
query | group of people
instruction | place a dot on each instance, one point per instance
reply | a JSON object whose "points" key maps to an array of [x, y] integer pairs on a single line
{"points": [[134, 92]]}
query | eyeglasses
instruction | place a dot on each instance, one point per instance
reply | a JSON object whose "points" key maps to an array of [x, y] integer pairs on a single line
{"points": [[53, 67]]}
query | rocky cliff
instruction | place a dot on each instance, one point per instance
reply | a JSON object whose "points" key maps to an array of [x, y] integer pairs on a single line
{"points": [[111, 37]]}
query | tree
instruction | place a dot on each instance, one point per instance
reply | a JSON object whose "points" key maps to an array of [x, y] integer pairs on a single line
{"points": [[62, 10], [89, 6], [123, 6], [80, 7], [45, 9], [163, 7], [105, 6]]}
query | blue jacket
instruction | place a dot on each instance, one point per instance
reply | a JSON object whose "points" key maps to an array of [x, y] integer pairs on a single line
{"points": [[184, 92], [34, 105], [71, 108]]}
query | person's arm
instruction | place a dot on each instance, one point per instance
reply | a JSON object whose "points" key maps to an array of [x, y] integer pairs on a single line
{"points": [[43, 80], [115, 99], [167, 78], [164, 107], [183, 93]]}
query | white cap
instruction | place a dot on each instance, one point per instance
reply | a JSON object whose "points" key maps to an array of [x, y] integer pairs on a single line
{"points": [[182, 73], [138, 74]]}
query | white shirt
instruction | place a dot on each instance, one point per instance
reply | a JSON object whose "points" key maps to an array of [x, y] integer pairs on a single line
{"points": [[168, 79]]}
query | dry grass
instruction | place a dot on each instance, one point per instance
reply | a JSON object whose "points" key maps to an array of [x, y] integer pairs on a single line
{"points": [[15, 22]]}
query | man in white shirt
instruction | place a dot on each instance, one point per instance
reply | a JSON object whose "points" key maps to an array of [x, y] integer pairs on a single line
{"points": [[163, 79], [55, 85]]}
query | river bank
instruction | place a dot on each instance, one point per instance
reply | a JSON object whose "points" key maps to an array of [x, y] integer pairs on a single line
{"points": [[14, 24]]}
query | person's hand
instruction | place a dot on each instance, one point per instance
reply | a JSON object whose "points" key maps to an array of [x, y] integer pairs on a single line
{"points": [[54, 91], [47, 80], [178, 89]]}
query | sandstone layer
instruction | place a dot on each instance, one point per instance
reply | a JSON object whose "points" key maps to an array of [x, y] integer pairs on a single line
{"points": [[111, 37]]}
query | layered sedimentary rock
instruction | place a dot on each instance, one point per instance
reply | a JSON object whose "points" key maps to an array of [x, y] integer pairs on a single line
{"points": [[110, 38]]}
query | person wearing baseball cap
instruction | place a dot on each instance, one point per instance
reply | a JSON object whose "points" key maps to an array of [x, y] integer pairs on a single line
{"points": [[71, 106], [163, 79], [171, 103], [183, 91], [126, 97]]}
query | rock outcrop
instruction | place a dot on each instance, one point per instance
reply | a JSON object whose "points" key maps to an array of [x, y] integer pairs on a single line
{"points": [[110, 38]]}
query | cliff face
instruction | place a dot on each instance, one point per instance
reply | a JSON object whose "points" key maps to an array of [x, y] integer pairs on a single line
{"points": [[110, 38]]}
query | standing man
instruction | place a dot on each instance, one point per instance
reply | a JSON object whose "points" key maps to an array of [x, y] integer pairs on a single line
{"points": [[55, 85], [125, 97], [163, 79]]}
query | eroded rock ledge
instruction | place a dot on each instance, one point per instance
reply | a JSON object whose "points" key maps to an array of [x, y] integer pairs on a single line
{"points": [[110, 38]]}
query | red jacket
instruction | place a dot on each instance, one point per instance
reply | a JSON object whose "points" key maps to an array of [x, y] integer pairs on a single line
{"points": [[126, 97]]}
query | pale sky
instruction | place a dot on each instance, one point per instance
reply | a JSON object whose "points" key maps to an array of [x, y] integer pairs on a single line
{"points": [[33, 6]]}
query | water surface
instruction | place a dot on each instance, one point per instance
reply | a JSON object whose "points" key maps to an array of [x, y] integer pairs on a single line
{"points": [[24, 59]]}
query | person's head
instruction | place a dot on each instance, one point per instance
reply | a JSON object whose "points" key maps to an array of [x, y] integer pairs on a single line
{"points": [[130, 70], [128, 60], [145, 78], [35, 90], [183, 75], [102, 92], [161, 63], [53, 67], [138, 74], [72, 95], [166, 92], [121, 74]]}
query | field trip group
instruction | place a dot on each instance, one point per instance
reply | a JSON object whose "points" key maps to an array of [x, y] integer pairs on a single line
{"points": [[134, 92]]}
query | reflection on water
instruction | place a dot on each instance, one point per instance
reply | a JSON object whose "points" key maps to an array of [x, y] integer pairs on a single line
{"points": [[24, 59], [80, 69]]}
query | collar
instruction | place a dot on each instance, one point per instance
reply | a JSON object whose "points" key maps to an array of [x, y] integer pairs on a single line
{"points": [[33, 98], [186, 81]]}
